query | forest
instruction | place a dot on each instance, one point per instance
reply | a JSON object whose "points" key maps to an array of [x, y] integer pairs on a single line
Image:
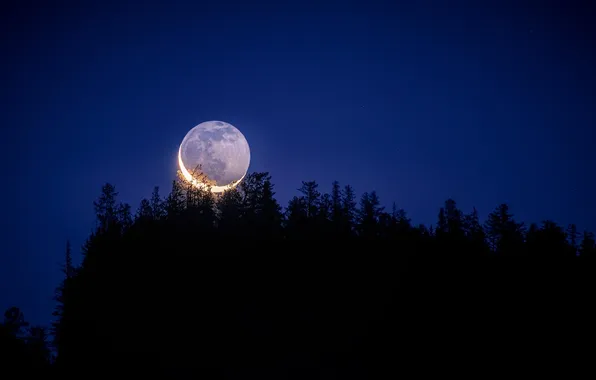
{"points": [[235, 286]]}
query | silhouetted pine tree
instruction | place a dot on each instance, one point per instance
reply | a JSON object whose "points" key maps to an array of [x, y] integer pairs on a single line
{"points": [[336, 203], [199, 214], [312, 198], [106, 208], [401, 224], [296, 221], [259, 208], [270, 217], [474, 232], [144, 212], [442, 227], [554, 240], [504, 234], [454, 216], [230, 221], [174, 204], [157, 204], [573, 235], [325, 210], [124, 216], [349, 210], [368, 215], [61, 312]]}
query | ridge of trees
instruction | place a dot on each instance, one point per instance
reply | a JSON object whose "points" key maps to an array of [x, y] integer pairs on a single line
{"points": [[251, 211], [145, 272]]}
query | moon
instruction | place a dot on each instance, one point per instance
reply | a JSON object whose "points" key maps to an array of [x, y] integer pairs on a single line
{"points": [[214, 155]]}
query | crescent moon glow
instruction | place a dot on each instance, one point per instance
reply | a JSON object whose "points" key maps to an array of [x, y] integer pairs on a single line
{"points": [[200, 185]]}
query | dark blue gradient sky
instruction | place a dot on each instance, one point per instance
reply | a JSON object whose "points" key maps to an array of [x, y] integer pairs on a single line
{"points": [[482, 101]]}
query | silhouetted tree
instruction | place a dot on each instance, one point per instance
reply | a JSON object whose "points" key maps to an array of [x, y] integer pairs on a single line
{"points": [[336, 203], [252, 188], [174, 203], [124, 216], [454, 216], [450, 225], [230, 213], [312, 198], [260, 211], [349, 209], [338, 220], [106, 208], [503, 232], [368, 215], [60, 296], [14, 321], [200, 208], [397, 224], [442, 227], [144, 212], [325, 208], [157, 204], [400, 215], [474, 232], [425, 233], [270, 217], [297, 218], [573, 235], [322, 221], [547, 241]]}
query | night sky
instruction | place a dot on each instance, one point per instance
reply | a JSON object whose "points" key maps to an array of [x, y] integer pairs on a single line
{"points": [[485, 102]]}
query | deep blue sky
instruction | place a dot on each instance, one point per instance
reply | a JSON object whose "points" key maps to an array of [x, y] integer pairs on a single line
{"points": [[420, 101]]}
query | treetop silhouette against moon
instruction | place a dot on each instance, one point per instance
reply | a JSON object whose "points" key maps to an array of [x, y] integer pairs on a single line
{"points": [[214, 155]]}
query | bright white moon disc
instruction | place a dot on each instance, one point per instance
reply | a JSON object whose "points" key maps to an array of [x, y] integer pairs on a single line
{"points": [[214, 153]]}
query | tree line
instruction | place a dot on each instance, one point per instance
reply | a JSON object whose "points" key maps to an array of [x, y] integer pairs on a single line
{"points": [[234, 286]]}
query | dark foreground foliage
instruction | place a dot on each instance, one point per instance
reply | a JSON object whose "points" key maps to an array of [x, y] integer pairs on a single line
{"points": [[233, 288]]}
